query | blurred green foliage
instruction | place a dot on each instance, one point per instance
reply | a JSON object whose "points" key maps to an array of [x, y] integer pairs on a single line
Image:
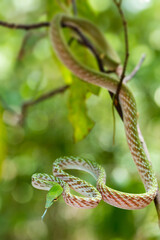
{"points": [[29, 71]]}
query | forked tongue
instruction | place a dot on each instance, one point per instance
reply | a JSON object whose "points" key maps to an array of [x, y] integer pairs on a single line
{"points": [[53, 194]]}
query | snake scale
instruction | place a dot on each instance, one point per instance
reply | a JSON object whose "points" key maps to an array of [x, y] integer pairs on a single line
{"points": [[92, 195]]}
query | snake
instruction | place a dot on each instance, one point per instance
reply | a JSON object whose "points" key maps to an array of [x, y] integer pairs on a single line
{"points": [[93, 195]]}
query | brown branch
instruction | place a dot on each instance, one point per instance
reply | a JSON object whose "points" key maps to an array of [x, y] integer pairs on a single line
{"points": [[25, 40], [44, 97], [74, 6], [25, 27], [125, 27], [22, 48]]}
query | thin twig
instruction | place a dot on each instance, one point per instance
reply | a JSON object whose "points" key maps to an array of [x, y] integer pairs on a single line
{"points": [[24, 26], [44, 97], [74, 5], [124, 22], [22, 48], [135, 70], [25, 40]]}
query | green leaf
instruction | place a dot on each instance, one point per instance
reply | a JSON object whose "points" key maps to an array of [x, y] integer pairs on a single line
{"points": [[78, 116]]}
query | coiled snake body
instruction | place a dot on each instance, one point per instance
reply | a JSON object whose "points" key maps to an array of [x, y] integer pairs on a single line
{"points": [[128, 105]]}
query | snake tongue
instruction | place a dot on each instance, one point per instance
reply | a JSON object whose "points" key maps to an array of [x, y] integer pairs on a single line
{"points": [[44, 213], [53, 194]]}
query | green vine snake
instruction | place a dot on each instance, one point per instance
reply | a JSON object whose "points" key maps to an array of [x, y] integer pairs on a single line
{"points": [[61, 182]]}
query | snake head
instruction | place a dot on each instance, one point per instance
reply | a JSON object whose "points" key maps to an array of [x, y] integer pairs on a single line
{"points": [[53, 194]]}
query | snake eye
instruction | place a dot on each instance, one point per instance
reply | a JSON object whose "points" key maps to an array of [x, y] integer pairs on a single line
{"points": [[55, 199]]}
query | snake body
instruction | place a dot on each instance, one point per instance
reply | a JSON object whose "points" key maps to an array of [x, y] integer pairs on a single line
{"points": [[67, 181], [128, 105]]}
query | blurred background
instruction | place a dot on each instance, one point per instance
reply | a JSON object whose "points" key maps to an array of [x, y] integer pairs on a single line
{"points": [[54, 128]]}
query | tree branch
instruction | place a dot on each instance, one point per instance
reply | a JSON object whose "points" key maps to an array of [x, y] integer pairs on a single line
{"points": [[22, 48], [74, 6], [44, 97], [125, 27], [135, 70], [25, 27]]}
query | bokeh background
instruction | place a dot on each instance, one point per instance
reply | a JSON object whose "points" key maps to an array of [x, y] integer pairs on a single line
{"points": [[28, 69]]}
